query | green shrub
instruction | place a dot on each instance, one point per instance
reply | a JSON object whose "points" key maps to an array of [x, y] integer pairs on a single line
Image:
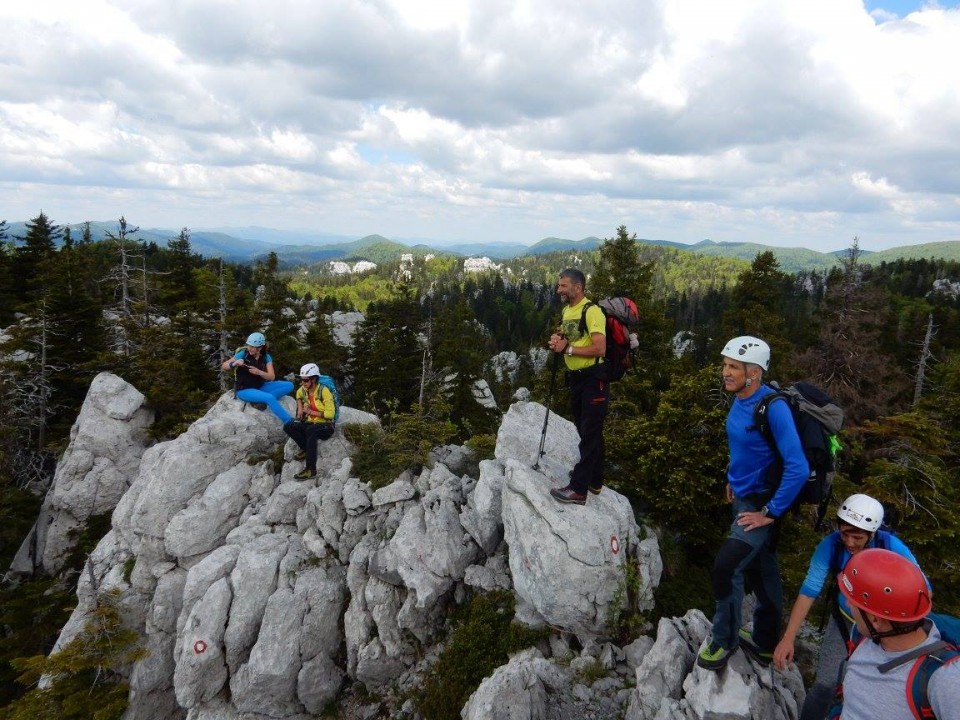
{"points": [[481, 640], [87, 675], [405, 442], [483, 446]]}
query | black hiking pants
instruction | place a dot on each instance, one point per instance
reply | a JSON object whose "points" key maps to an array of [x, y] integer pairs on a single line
{"points": [[588, 402], [306, 435]]}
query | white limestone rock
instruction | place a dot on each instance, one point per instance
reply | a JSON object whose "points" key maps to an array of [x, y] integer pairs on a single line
{"points": [[668, 662], [516, 691], [254, 579], [395, 492], [205, 522], [201, 670], [482, 514], [430, 546], [519, 439], [267, 682], [107, 441], [567, 561]]}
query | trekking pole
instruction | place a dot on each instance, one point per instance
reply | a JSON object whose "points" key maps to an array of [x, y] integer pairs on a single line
{"points": [[554, 366]]}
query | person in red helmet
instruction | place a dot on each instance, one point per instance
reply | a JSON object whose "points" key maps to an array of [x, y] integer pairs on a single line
{"points": [[891, 600], [859, 523]]}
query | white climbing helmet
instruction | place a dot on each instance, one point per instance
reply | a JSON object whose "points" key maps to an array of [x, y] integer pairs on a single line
{"points": [[309, 370], [748, 349], [861, 511]]}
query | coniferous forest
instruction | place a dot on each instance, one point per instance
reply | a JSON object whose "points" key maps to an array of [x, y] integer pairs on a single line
{"points": [[883, 340]]}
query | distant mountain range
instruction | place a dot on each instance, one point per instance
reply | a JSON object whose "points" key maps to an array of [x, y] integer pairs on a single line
{"points": [[249, 244]]}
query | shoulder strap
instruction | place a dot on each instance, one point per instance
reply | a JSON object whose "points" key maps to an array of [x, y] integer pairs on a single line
{"points": [[917, 652], [918, 681], [761, 412], [583, 317]]}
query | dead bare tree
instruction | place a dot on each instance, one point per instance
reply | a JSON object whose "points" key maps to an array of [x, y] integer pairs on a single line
{"points": [[28, 400], [925, 356], [133, 313]]}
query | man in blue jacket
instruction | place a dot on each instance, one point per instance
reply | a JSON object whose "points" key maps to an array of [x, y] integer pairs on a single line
{"points": [[759, 501]]}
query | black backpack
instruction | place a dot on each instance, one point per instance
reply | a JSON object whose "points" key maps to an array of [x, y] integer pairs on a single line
{"points": [[623, 321], [818, 419]]}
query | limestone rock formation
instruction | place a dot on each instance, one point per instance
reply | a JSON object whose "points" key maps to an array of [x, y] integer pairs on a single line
{"points": [[106, 444], [259, 596]]}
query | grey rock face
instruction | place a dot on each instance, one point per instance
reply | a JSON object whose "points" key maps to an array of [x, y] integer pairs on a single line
{"points": [[106, 444], [567, 561], [260, 597], [670, 685], [515, 691]]}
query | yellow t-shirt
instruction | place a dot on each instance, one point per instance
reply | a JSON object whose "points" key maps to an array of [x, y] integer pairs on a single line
{"points": [[596, 323]]}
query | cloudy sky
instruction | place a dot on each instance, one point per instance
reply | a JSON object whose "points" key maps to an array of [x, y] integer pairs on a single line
{"points": [[786, 122]]}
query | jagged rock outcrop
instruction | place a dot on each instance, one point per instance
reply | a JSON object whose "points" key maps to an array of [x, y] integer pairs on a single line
{"points": [[259, 596], [107, 441], [516, 691], [670, 685]]}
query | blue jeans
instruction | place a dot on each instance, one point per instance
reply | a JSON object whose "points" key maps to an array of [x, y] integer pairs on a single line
{"points": [[751, 556], [268, 393]]}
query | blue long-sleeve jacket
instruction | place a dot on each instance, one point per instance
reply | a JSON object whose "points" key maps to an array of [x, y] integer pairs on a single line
{"points": [[751, 455]]}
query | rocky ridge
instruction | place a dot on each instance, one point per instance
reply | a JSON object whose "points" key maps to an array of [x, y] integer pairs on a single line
{"points": [[258, 596]]}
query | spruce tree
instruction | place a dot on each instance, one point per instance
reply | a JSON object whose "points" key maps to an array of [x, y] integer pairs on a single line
{"points": [[386, 360], [7, 295], [30, 260]]}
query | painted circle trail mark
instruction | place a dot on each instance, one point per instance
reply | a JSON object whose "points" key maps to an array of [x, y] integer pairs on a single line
{"points": [[199, 647], [614, 544]]}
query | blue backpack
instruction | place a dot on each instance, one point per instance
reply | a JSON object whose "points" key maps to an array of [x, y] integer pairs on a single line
{"points": [[330, 384]]}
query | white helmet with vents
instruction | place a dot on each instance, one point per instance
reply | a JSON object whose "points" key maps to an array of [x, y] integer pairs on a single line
{"points": [[861, 511], [309, 370], [748, 349]]}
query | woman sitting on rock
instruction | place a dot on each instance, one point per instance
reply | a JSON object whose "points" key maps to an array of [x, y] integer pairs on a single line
{"points": [[256, 383]]}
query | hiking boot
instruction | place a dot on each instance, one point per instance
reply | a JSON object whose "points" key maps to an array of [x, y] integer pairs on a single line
{"points": [[713, 657], [568, 495], [752, 649], [305, 475], [259, 406], [300, 456], [596, 489]]}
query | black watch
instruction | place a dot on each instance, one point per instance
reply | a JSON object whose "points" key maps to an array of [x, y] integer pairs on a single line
{"points": [[765, 511]]}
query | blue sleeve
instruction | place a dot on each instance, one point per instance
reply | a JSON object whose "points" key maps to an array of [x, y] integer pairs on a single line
{"points": [[795, 467], [240, 353], [819, 571], [269, 359]]}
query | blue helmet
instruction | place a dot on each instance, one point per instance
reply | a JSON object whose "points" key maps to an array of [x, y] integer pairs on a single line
{"points": [[256, 340]]}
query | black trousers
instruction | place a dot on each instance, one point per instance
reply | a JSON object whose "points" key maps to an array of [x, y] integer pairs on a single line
{"points": [[306, 435], [589, 393]]}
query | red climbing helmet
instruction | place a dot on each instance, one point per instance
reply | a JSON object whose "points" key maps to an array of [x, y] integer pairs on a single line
{"points": [[885, 584]]}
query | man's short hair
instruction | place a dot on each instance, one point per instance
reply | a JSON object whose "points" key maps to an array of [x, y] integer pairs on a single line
{"points": [[575, 276]]}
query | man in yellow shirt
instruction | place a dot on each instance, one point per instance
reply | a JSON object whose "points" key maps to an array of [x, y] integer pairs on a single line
{"points": [[583, 355]]}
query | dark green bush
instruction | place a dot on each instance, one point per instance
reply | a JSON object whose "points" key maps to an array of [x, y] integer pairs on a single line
{"points": [[483, 636]]}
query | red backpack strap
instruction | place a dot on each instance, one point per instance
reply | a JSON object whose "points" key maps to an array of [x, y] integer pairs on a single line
{"points": [[918, 697]]}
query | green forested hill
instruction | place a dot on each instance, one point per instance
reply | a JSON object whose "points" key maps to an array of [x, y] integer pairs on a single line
{"points": [[949, 250]]}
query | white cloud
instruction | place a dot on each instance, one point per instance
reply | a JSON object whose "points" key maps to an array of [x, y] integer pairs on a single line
{"points": [[780, 121]]}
